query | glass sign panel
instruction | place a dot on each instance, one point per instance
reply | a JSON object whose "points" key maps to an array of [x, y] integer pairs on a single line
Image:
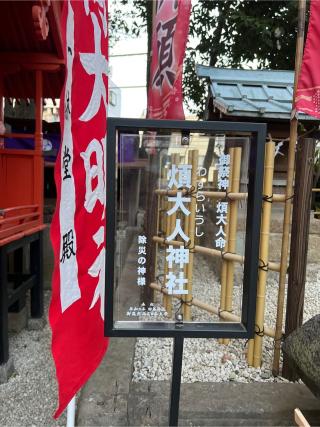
{"points": [[180, 238]]}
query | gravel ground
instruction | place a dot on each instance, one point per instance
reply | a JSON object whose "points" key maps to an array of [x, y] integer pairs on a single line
{"points": [[29, 398], [206, 359]]}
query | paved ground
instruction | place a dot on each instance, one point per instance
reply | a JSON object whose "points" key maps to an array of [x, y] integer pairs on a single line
{"points": [[111, 399]]}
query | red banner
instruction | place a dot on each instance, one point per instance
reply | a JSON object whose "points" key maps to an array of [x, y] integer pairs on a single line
{"points": [[170, 32], [308, 92], [78, 227]]}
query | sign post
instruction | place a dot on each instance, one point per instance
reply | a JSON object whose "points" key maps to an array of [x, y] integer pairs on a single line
{"points": [[192, 234]]}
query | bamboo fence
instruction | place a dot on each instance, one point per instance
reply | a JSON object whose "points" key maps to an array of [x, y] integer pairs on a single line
{"points": [[277, 198], [213, 252], [254, 355], [229, 256]]}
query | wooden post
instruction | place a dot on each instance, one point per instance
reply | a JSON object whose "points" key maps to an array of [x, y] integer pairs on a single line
{"points": [[193, 161], [299, 243], [289, 194], [224, 262], [232, 237], [38, 138], [264, 252]]}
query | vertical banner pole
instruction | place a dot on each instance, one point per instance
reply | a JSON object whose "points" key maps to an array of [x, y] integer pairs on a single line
{"points": [[289, 190], [71, 412], [176, 380]]}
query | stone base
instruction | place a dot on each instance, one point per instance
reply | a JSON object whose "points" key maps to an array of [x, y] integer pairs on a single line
{"points": [[17, 321], [36, 324], [6, 370]]}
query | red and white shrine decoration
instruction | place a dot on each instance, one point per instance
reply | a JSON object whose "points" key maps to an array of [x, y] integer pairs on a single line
{"points": [[78, 228], [308, 91], [170, 32]]}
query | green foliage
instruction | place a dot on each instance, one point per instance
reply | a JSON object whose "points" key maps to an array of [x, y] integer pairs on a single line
{"points": [[235, 33]]}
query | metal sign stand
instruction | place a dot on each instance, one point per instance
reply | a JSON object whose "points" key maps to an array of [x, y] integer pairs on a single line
{"points": [[244, 328], [176, 380]]}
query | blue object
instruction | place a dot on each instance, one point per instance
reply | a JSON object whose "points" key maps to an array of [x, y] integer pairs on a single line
{"points": [[251, 93]]}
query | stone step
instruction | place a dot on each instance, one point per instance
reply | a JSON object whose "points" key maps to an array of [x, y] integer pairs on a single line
{"points": [[222, 404]]}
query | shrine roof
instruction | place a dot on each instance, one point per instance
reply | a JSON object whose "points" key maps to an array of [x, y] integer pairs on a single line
{"points": [[251, 93], [23, 50]]}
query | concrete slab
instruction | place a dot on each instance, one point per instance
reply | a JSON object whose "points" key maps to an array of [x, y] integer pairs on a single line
{"points": [[111, 399], [222, 404], [103, 400]]}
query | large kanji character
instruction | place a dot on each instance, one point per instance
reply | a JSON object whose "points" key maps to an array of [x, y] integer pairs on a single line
{"points": [[96, 64], [179, 200], [223, 183], [224, 171], [184, 176], [221, 219], [94, 191], [165, 34], [68, 246], [220, 243], [224, 159], [174, 282], [97, 269], [220, 232], [178, 231], [177, 255], [222, 207]]}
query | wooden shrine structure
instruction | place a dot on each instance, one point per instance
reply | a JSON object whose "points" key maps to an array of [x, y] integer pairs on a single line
{"points": [[261, 96], [31, 67]]}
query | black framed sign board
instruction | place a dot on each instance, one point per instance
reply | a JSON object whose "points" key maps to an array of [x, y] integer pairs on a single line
{"points": [[183, 202]]}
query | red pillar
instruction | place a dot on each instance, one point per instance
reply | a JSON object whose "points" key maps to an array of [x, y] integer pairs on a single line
{"points": [[38, 136]]}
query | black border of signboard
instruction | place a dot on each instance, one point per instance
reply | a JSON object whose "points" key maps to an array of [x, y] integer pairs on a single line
{"points": [[243, 329]]}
